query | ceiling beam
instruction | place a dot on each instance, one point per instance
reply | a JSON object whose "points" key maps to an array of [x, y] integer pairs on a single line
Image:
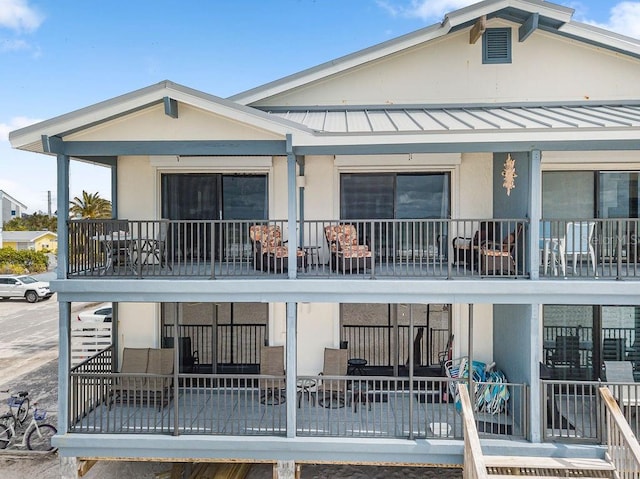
{"points": [[528, 27], [478, 29]]}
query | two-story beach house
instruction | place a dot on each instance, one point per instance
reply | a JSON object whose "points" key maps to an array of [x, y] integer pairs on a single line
{"points": [[305, 271]]}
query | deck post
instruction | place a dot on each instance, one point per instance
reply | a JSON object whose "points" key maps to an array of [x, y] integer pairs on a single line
{"points": [[68, 467], [291, 210], [284, 470], [63, 216], [64, 362], [535, 213]]}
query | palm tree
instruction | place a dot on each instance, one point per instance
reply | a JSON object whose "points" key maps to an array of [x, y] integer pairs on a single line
{"points": [[90, 206]]}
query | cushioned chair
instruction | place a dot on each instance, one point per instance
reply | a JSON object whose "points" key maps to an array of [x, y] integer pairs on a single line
{"points": [[269, 252], [613, 349], [331, 393], [347, 254], [272, 389], [498, 257]]}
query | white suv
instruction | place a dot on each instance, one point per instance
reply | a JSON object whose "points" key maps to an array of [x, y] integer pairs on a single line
{"points": [[26, 287]]}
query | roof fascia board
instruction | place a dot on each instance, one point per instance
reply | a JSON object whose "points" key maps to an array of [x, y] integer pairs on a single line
{"points": [[89, 149], [144, 98], [601, 38]]}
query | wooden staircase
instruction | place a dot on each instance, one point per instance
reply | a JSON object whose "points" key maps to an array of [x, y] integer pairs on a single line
{"points": [[512, 467], [622, 458]]}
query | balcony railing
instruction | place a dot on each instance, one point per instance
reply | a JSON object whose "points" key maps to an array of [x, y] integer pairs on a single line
{"points": [[425, 249], [573, 410], [251, 404]]}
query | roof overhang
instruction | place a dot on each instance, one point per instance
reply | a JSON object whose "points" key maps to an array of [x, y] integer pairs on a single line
{"points": [[168, 93]]}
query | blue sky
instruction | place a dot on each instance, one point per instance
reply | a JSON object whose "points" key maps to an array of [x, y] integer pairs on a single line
{"points": [[60, 55]]}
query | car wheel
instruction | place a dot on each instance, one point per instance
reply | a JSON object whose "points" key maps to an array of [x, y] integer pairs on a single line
{"points": [[31, 296]]}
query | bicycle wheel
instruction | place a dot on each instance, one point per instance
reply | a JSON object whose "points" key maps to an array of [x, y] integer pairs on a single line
{"points": [[8, 421], [5, 436], [23, 410], [39, 439]]}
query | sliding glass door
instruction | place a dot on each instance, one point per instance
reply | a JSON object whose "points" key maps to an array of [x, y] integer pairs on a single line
{"points": [[405, 198], [202, 197]]}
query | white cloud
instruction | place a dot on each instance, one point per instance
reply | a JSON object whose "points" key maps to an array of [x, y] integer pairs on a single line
{"points": [[424, 9], [18, 15], [14, 124], [625, 18]]}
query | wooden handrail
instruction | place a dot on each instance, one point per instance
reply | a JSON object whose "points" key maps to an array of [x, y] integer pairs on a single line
{"points": [[474, 466], [622, 446]]}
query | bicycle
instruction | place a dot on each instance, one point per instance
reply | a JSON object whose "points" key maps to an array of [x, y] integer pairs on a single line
{"points": [[19, 401], [36, 437]]}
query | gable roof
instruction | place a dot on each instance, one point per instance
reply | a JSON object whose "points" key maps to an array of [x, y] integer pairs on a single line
{"points": [[25, 236], [4, 194], [30, 138], [551, 17]]}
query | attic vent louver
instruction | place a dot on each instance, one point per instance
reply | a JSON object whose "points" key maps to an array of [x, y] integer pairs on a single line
{"points": [[496, 45]]}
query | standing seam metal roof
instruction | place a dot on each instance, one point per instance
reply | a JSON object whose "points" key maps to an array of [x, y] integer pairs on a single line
{"points": [[425, 119]]}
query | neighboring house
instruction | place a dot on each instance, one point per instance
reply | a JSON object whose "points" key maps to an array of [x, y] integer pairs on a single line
{"points": [[33, 240], [488, 168], [9, 208]]}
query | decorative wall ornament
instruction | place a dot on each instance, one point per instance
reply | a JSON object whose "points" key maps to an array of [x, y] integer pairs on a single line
{"points": [[509, 174]]}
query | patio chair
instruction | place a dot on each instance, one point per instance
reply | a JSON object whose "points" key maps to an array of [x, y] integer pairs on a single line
{"points": [[331, 393], [625, 391], [272, 364], [499, 257], [188, 358], [566, 353], [346, 254], [158, 389], [577, 241], [153, 250], [269, 252]]}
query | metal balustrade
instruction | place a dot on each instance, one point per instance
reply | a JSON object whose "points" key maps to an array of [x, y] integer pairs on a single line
{"points": [[102, 402]]}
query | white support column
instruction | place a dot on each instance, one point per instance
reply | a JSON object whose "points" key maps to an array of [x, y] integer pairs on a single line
{"points": [[535, 212], [292, 210], [68, 467], [63, 215], [291, 368], [114, 189], [284, 470]]}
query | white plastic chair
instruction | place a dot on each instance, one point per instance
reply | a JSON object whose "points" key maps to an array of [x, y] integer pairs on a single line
{"points": [[578, 240]]}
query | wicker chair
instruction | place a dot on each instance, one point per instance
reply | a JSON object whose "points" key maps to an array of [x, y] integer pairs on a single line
{"points": [[347, 255]]}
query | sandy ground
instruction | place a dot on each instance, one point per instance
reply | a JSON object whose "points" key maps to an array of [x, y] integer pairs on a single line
{"points": [[42, 387], [47, 468]]}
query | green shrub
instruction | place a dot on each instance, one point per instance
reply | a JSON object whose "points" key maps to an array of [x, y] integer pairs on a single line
{"points": [[23, 261]]}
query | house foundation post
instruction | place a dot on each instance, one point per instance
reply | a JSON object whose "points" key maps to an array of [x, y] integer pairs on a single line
{"points": [[286, 470], [68, 467]]}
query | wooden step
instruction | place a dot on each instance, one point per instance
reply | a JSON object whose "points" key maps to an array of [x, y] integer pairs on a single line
{"points": [[534, 462], [517, 467]]}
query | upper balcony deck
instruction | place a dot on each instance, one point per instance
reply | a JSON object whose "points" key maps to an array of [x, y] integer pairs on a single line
{"points": [[434, 249]]}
